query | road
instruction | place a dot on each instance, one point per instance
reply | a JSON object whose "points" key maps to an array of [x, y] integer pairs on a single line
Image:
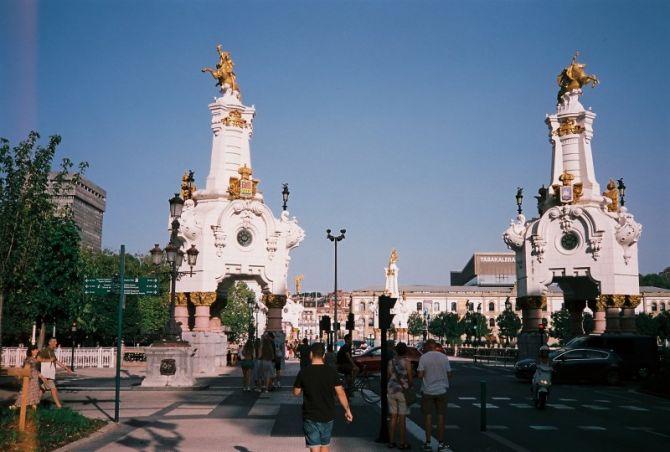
{"points": [[585, 417]]}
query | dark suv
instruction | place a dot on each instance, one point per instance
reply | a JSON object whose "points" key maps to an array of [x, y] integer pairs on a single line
{"points": [[639, 353]]}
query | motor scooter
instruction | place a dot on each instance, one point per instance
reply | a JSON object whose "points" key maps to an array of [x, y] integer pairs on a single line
{"points": [[541, 385]]}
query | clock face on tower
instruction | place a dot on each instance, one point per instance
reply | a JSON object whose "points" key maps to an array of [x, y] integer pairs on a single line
{"points": [[569, 241], [244, 237]]}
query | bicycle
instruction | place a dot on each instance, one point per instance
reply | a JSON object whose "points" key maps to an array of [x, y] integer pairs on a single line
{"points": [[363, 384]]}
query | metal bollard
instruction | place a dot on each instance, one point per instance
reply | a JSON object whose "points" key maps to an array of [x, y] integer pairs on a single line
{"points": [[482, 418]]}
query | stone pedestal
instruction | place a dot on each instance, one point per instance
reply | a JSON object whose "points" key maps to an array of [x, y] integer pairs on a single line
{"points": [[612, 318], [169, 364], [201, 318], [627, 320], [181, 315], [599, 321], [529, 344], [208, 350]]}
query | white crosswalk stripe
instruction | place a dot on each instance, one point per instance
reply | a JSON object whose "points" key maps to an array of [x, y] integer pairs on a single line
{"points": [[543, 427], [596, 407], [521, 405], [633, 408], [488, 405], [591, 428], [560, 406]]}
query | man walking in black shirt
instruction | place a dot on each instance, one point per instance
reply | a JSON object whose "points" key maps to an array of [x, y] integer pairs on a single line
{"points": [[318, 385]]}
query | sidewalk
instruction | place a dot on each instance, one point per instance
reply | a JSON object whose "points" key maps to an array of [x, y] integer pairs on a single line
{"points": [[219, 418]]}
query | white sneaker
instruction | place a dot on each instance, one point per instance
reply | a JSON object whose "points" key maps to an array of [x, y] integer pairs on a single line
{"points": [[444, 447]]}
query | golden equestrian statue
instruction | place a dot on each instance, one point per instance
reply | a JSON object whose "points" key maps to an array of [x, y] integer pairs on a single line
{"points": [[394, 257], [574, 77], [224, 73]]}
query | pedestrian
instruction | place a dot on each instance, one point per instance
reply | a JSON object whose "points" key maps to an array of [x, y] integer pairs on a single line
{"points": [[246, 356], [319, 384], [258, 367], [435, 371], [229, 358], [303, 353], [279, 359], [33, 391], [399, 378], [331, 358], [48, 360], [267, 361], [345, 363]]}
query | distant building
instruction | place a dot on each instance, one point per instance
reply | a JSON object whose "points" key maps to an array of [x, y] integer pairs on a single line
{"points": [[87, 202], [487, 269]]}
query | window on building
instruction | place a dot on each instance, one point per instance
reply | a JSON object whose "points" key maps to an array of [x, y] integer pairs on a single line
{"points": [[419, 306], [654, 307], [492, 306], [492, 322], [361, 307], [454, 306], [371, 321], [471, 306], [436, 307], [662, 306]]}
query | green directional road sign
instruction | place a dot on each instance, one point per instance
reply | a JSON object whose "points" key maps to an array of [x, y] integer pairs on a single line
{"points": [[131, 286]]}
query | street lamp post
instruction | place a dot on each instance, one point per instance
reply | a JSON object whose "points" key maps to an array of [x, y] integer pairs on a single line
{"points": [[174, 257], [477, 321], [284, 195], [335, 239], [426, 319], [519, 199]]}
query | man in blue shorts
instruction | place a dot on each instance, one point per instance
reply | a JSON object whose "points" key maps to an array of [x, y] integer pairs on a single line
{"points": [[318, 385]]}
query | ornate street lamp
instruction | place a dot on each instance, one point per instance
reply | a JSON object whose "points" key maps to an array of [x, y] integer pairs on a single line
{"points": [[622, 191], [174, 256], [508, 304], [335, 239], [519, 199], [74, 332], [284, 195]]}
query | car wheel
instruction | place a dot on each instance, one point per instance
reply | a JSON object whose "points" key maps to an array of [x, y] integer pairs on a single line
{"points": [[612, 377]]}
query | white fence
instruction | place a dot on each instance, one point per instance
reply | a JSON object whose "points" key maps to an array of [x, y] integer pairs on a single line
{"points": [[83, 356]]}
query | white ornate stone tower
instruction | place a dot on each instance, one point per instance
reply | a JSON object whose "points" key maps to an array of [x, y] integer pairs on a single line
{"points": [[583, 240], [235, 231]]}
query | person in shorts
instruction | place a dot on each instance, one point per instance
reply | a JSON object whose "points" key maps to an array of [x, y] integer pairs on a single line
{"points": [[399, 378], [48, 363], [345, 363], [435, 371], [319, 384]]}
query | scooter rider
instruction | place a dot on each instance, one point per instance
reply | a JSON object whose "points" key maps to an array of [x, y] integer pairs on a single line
{"points": [[542, 369]]}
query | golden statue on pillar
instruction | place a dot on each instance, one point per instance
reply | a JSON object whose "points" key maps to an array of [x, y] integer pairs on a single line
{"points": [[574, 77], [187, 185], [298, 284], [394, 257], [612, 194], [224, 73]]}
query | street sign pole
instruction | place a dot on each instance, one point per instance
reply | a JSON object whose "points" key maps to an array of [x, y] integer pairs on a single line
{"points": [[119, 329]]}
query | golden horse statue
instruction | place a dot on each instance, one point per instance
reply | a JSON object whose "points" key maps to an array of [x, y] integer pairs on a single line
{"points": [[574, 77], [224, 73]]}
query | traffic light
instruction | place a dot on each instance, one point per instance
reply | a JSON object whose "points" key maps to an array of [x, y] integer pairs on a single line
{"points": [[541, 327], [350, 321], [324, 323], [386, 303]]}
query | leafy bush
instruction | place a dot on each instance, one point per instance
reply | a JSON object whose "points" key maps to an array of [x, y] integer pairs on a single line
{"points": [[46, 429]]}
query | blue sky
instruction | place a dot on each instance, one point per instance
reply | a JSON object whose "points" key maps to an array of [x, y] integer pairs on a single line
{"points": [[409, 123]]}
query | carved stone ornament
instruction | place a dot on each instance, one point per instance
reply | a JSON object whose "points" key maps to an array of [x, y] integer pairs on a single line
{"points": [[627, 232], [532, 302], [244, 186], [515, 234], [203, 298], [294, 233], [272, 247], [234, 119], [612, 300], [595, 245], [273, 300], [538, 244], [219, 239], [189, 226], [181, 298], [566, 216]]}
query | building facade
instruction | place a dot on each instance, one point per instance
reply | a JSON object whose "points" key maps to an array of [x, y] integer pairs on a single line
{"points": [[87, 202]]}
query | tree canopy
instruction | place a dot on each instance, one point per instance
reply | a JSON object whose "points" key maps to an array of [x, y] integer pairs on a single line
{"points": [[237, 315], [509, 325]]}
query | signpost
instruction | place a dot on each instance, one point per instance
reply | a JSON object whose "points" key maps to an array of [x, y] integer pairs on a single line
{"points": [[131, 286]]}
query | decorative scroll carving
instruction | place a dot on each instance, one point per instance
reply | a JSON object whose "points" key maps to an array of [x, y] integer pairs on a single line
{"points": [[538, 244], [219, 239], [181, 298], [294, 233], [566, 216], [627, 232], [595, 245], [514, 235], [532, 302], [271, 247], [189, 225], [618, 301]]}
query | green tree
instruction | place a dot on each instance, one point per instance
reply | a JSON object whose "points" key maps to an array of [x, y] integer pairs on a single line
{"points": [[661, 279], [509, 324], [436, 326], [663, 326], [25, 211], [453, 329], [236, 315], [560, 326], [415, 324], [646, 324]]}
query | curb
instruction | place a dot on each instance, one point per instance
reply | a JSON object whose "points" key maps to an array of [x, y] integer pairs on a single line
{"points": [[81, 443]]}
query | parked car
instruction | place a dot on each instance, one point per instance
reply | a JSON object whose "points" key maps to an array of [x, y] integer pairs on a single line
{"points": [[639, 353], [421, 346], [578, 364], [371, 360]]}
